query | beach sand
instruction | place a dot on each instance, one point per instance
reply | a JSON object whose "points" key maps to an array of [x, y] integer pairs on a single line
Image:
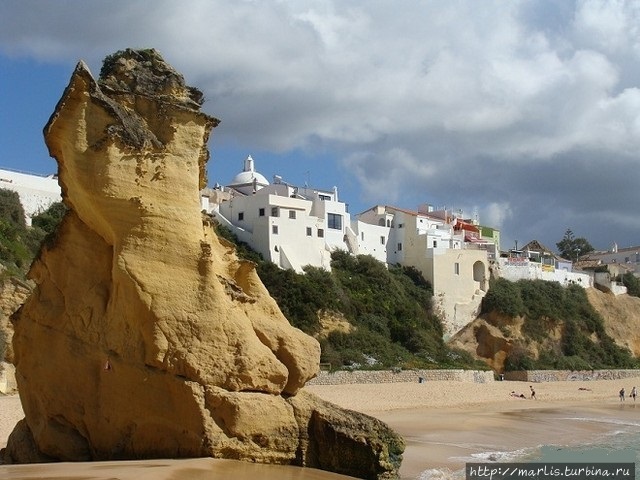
{"points": [[444, 424]]}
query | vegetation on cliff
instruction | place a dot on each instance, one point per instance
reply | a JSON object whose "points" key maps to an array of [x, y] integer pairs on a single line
{"points": [[18, 242], [579, 340], [632, 283], [389, 310]]}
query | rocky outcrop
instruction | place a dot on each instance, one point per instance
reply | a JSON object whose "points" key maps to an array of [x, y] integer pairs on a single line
{"points": [[485, 342], [146, 336], [494, 337], [13, 292]]}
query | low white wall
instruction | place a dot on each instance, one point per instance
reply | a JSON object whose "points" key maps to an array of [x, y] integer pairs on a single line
{"points": [[526, 270]]}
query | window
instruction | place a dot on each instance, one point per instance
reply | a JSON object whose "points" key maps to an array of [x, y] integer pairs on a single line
{"points": [[292, 214], [320, 233], [241, 216], [388, 223], [275, 212], [381, 240], [261, 212], [334, 221], [308, 231], [361, 235], [324, 197], [456, 268], [274, 229], [401, 225], [399, 247], [435, 244]]}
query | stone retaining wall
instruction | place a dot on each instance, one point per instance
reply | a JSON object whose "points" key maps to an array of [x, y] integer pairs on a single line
{"points": [[564, 375], [342, 377]]}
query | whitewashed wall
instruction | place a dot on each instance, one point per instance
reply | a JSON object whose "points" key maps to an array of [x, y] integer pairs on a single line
{"points": [[525, 270]]}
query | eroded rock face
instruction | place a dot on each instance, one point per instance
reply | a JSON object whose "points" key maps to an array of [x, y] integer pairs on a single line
{"points": [[13, 293], [146, 337]]}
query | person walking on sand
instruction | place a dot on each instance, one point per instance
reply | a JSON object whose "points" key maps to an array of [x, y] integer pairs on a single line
{"points": [[622, 394], [533, 392], [634, 392]]}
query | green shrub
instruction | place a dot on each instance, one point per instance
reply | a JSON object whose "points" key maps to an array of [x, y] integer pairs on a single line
{"points": [[547, 306], [295, 296], [573, 362], [243, 250], [518, 359], [19, 244], [541, 299], [632, 283], [49, 220], [11, 210], [14, 254], [503, 297], [364, 349]]}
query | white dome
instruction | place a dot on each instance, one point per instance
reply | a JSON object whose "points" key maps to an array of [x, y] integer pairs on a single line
{"points": [[247, 177], [248, 180]]}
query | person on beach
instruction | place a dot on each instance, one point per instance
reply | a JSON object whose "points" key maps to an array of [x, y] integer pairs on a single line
{"points": [[634, 392], [622, 394], [533, 392]]}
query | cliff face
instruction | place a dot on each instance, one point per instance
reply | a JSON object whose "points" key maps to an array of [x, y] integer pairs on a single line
{"points": [[621, 316], [493, 337], [146, 336], [13, 293]]}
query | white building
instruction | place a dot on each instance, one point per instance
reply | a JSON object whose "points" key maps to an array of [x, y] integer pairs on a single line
{"points": [[536, 262], [447, 251], [628, 256], [298, 226], [288, 225], [36, 192]]}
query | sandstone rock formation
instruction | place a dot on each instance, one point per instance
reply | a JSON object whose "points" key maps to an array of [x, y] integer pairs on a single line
{"points": [[494, 336], [146, 337], [621, 315], [13, 293]]}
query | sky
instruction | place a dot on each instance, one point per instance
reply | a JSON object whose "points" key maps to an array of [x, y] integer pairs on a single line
{"points": [[524, 113]]}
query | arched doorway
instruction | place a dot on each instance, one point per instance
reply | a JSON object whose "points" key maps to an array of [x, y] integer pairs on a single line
{"points": [[480, 275]]}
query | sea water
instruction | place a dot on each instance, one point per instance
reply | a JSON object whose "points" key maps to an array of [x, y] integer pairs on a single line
{"points": [[619, 443]]}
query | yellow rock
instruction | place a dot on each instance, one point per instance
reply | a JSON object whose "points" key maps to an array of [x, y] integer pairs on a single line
{"points": [[146, 336]]}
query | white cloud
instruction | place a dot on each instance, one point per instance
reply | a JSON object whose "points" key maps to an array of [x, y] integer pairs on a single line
{"points": [[495, 214], [612, 25]]}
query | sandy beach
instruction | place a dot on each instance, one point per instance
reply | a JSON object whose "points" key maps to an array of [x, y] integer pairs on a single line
{"points": [[445, 425]]}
